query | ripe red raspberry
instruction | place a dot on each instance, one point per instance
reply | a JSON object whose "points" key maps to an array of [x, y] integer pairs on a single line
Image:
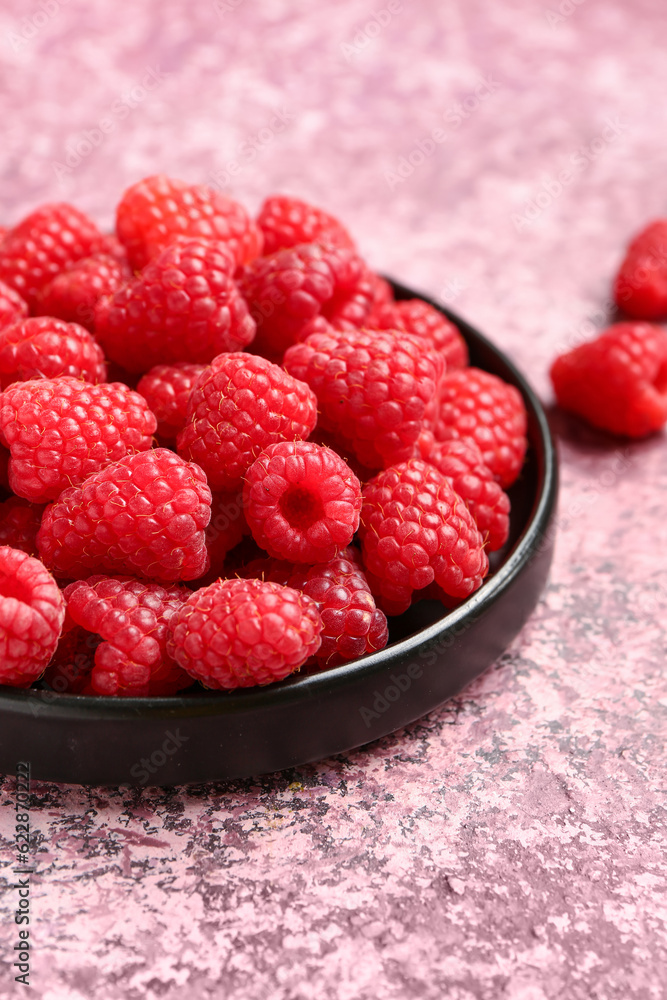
{"points": [[287, 290], [415, 529], [19, 523], [72, 663], [242, 404], [227, 527], [158, 209], [241, 633], [144, 515], [166, 389], [59, 431], [184, 306], [462, 465], [74, 293], [44, 244], [618, 381], [286, 222], [475, 404], [383, 295], [32, 611], [372, 388], [48, 348], [302, 501], [419, 318], [12, 307], [131, 618], [640, 288]]}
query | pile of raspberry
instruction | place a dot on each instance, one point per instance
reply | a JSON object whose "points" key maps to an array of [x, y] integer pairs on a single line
{"points": [[226, 452]]}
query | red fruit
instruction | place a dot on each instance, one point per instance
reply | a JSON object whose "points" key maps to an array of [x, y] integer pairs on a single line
{"points": [[59, 431], [12, 307], [226, 529], [462, 465], [475, 404], [19, 523], [166, 389], [241, 633], [372, 388], [383, 295], [640, 288], [32, 611], [4, 466], [302, 501], [416, 530], [145, 515], [618, 381], [125, 623], [159, 209], [241, 405], [419, 318], [286, 222], [44, 244], [289, 289], [184, 306], [72, 663], [73, 294], [43, 347]]}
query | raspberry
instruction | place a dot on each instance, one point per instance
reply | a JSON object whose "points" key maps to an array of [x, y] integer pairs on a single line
{"points": [[640, 288], [475, 404], [352, 626], [415, 529], [383, 295], [242, 404], [225, 530], [302, 501], [241, 633], [32, 611], [19, 524], [12, 307], [72, 663], [144, 515], [372, 388], [618, 381], [59, 431], [419, 318], [461, 463], [131, 618], [156, 210], [74, 293], [290, 288], [44, 244], [166, 389], [48, 348], [184, 306], [286, 222]]}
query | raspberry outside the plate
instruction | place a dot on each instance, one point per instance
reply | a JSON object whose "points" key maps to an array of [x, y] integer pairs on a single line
{"points": [[302, 502], [243, 633], [640, 287], [59, 431], [32, 611], [241, 404], [145, 516], [618, 381], [43, 347], [184, 306]]}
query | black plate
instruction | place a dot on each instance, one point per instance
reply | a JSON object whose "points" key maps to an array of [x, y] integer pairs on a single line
{"points": [[200, 736]]}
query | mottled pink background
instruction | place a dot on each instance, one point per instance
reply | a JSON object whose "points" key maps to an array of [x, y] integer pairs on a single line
{"points": [[510, 846]]}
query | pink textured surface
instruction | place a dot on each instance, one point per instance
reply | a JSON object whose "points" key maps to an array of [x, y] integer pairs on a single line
{"points": [[510, 845]]}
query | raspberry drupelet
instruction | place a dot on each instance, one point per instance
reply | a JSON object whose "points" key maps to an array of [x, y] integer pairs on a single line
{"points": [[157, 210], [32, 611], [243, 633], [373, 388], [302, 502], [166, 389], [184, 306], [59, 431], [145, 515], [416, 530], [287, 221], [48, 348], [240, 405]]}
